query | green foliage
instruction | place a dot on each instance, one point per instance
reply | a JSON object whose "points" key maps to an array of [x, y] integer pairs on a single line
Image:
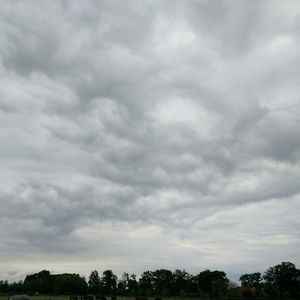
{"points": [[45, 283], [69, 284], [41, 282], [213, 283], [127, 284], [181, 282], [162, 282], [282, 281], [251, 280], [4, 286], [94, 282], [109, 282], [146, 283], [132, 285]]}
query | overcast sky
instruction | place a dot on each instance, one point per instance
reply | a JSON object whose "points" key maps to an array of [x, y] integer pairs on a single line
{"points": [[137, 135]]}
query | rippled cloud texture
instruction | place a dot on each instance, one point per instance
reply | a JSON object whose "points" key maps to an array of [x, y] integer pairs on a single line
{"points": [[144, 134]]}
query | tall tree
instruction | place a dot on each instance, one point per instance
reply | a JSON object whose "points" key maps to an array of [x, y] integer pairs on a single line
{"points": [[146, 283], [94, 282], [251, 280], [283, 280], [127, 284], [70, 284], [214, 283], [132, 285], [162, 282], [41, 282], [181, 283], [109, 282]]}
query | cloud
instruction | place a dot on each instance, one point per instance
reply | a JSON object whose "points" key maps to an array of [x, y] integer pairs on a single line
{"points": [[140, 134]]}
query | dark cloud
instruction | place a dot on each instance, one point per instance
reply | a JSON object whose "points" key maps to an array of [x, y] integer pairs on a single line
{"points": [[165, 132]]}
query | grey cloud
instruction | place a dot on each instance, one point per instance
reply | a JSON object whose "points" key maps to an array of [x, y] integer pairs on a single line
{"points": [[149, 123]]}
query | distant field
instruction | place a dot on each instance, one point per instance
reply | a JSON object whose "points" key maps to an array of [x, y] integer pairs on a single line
{"points": [[63, 297], [41, 297], [66, 297]]}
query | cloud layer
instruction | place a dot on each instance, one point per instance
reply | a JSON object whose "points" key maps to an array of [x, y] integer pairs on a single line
{"points": [[138, 135]]}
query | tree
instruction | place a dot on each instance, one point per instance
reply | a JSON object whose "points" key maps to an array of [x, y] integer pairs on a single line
{"points": [[109, 282], [123, 284], [213, 283], [146, 283], [94, 282], [162, 282], [4, 286], [181, 282], [283, 279], [41, 282], [127, 285], [251, 280], [132, 285], [70, 284]]}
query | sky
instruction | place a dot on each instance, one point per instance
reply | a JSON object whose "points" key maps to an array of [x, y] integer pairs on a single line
{"points": [[137, 135]]}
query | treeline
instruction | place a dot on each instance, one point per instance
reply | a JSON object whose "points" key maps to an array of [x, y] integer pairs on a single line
{"points": [[45, 283], [280, 281]]}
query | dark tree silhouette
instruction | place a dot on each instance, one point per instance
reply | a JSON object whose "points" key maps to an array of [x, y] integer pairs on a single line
{"points": [[213, 283], [251, 280], [109, 282], [94, 282], [283, 280]]}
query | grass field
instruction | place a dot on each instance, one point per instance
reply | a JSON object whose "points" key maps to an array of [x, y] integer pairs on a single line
{"points": [[66, 297], [41, 297]]}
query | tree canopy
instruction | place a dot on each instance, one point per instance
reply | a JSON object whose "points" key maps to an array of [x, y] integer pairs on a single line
{"points": [[280, 281]]}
